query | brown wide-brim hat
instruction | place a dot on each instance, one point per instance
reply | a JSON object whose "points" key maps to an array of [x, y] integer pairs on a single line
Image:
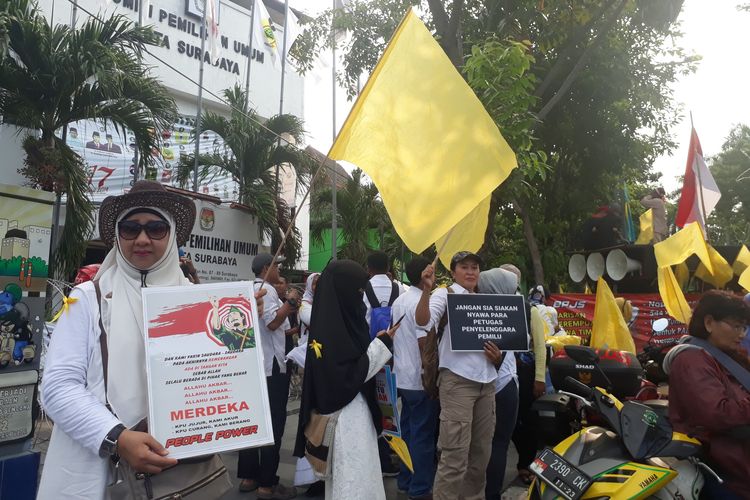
{"points": [[147, 194]]}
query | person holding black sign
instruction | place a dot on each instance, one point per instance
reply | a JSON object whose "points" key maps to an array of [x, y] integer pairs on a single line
{"points": [[467, 390]]}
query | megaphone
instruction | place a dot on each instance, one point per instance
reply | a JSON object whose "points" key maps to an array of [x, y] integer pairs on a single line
{"points": [[619, 264], [595, 266], [577, 267]]}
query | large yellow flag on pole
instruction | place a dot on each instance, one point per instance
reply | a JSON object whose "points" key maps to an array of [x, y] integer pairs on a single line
{"points": [[420, 133]]}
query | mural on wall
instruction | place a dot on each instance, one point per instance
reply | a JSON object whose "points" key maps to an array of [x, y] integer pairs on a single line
{"points": [[25, 237]]}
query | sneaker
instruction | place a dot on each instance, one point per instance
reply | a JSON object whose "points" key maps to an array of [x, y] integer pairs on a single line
{"points": [[248, 485], [278, 492], [390, 470]]}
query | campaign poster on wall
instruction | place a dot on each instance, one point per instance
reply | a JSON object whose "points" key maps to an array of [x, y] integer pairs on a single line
{"points": [[575, 314], [223, 243], [206, 382], [476, 318]]}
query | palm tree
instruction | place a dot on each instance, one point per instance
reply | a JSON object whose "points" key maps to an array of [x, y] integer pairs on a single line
{"points": [[252, 156], [51, 76], [359, 210]]}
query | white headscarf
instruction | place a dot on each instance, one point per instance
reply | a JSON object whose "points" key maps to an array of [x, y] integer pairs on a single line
{"points": [[308, 295], [122, 317]]}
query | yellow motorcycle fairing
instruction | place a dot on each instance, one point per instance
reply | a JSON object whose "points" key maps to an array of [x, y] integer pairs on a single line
{"points": [[627, 481]]}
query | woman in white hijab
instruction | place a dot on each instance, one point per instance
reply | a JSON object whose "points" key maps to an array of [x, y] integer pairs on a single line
{"points": [[145, 227]]}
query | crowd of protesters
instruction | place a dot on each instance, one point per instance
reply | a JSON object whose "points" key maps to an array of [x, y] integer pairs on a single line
{"points": [[458, 438]]}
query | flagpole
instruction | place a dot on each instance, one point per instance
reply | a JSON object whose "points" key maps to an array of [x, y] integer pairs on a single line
{"points": [[204, 33], [249, 54], [700, 182], [283, 78], [334, 222], [135, 150]]}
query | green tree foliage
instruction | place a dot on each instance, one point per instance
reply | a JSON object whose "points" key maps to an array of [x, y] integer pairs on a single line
{"points": [[589, 104], [51, 76], [729, 223], [255, 151], [358, 211]]}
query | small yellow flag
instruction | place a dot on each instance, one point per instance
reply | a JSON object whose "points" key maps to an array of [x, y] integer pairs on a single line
{"points": [[671, 294], [745, 279], [682, 273], [424, 138], [399, 447], [677, 248], [722, 274], [742, 261], [647, 228], [609, 328], [674, 251]]}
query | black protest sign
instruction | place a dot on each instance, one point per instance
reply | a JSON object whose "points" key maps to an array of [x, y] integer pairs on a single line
{"points": [[477, 318]]}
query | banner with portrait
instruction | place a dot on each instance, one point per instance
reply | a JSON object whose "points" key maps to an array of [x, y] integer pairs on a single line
{"points": [[206, 382]]}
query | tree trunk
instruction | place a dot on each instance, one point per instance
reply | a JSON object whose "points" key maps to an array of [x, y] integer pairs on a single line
{"points": [[528, 233], [580, 64], [448, 27]]}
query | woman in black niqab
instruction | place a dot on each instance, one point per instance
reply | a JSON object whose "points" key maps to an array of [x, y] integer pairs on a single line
{"points": [[347, 362]]}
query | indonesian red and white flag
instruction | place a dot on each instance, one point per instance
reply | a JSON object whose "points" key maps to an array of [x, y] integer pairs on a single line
{"points": [[213, 29], [699, 190]]}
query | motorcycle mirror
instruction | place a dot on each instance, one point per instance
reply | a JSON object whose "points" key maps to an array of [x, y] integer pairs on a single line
{"points": [[660, 324], [582, 354]]}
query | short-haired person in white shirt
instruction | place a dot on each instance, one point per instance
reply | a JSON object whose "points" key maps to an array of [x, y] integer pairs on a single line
{"points": [[378, 266], [257, 467], [466, 384], [419, 413]]}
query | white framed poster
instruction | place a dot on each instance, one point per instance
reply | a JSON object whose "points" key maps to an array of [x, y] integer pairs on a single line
{"points": [[206, 383]]}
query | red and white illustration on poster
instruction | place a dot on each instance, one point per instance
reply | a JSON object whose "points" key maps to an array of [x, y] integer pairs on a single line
{"points": [[575, 314], [206, 382]]}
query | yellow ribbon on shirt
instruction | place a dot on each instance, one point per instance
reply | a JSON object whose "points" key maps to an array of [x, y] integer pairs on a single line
{"points": [[317, 347], [66, 303]]}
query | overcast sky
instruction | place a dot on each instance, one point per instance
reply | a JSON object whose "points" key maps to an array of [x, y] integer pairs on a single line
{"points": [[716, 93]]}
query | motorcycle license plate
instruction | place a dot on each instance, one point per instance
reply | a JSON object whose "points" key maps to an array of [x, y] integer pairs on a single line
{"points": [[560, 474]]}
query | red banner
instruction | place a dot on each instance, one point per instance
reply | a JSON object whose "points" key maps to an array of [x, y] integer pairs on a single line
{"points": [[575, 313]]}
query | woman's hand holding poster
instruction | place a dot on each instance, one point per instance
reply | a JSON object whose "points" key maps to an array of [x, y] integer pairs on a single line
{"points": [[206, 383]]}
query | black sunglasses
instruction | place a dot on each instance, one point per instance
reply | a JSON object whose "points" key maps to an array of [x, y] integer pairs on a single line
{"points": [[155, 229]]}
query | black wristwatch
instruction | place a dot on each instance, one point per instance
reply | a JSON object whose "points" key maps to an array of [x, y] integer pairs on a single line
{"points": [[109, 445]]}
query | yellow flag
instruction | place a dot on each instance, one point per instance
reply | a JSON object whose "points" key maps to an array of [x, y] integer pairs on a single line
{"points": [[399, 447], [420, 133], [742, 261], [671, 294], [674, 251], [609, 328], [647, 228], [722, 270], [466, 235], [745, 279], [677, 248], [682, 273]]}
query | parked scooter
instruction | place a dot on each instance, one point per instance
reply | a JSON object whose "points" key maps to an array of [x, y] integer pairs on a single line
{"points": [[634, 454]]}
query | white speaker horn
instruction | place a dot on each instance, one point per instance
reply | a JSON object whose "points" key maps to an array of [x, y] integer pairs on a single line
{"points": [[595, 266], [619, 264], [577, 267]]}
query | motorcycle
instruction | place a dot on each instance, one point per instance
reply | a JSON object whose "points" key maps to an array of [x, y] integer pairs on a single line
{"points": [[634, 454]]}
